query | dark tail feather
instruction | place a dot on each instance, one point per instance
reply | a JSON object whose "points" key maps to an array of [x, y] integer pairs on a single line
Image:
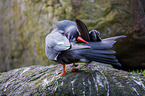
{"points": [[101, 45], [114, 38], [103, 56], [99, 51], [109, 58], [102, 51], [105, 43]]}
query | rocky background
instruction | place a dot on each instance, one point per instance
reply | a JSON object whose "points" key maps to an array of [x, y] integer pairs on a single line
{"points": [[25, 24]]}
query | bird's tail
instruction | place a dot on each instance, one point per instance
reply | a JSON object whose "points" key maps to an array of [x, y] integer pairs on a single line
{"points": [[105, 43], [100, 51], [103, 56]]}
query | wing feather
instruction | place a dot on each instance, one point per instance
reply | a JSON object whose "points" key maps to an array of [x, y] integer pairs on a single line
{"points": [[57, 41], [83, 29]]}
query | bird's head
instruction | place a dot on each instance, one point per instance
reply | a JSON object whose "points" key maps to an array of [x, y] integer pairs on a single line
{"points": [[73, 34], [70, 30]]}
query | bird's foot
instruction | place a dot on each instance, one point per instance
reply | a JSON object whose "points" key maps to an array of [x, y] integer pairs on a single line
{"points": [[74, 69], [63, 73]]}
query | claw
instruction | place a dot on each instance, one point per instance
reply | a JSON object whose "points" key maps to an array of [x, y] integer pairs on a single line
{"points": [[74, 69], [63, 73]]}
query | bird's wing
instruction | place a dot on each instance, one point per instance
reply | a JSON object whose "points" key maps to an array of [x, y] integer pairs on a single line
{"points": [[75, 46], [57, 41], [83, 29]]}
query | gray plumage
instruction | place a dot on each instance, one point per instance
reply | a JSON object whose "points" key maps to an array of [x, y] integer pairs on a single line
{"points": [[61, 45]]}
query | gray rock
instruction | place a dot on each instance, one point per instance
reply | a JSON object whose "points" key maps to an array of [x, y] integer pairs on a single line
{"points": [[92, 79], [130, 51]]}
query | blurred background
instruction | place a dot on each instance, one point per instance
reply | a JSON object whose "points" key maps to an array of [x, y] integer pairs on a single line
{"points": [[24, 25]]}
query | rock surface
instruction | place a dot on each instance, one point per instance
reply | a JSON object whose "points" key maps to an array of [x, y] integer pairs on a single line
{"points": [[94, 79], [130, 52]]}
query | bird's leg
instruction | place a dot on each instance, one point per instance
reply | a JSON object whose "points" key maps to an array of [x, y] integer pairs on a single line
{"points": [[74, 69], [63, 72]]}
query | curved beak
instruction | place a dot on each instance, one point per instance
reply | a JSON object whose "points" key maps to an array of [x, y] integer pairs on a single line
{"points": [[81, 39]]}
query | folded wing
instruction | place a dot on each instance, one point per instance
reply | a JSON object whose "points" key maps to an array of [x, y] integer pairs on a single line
{"points": [[83, 30]]}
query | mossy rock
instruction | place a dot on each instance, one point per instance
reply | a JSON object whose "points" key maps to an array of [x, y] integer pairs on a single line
{"points": [[92, 79]]}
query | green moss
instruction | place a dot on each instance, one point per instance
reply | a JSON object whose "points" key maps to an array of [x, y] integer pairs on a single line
{"points": [[139, 71]]}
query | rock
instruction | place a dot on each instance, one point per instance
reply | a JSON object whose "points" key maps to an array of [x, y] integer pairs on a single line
{"points": [[94, 79], [130, 52]]}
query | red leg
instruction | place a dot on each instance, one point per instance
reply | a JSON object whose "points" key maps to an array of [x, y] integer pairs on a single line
{"points": [[63, 73], [74, 69], [74, 63]]}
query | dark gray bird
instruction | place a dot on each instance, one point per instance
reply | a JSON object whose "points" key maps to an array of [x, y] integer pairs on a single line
{"points": [[71, 42]]}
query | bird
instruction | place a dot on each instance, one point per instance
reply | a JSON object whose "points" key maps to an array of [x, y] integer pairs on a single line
{"points": [[71, 42]]}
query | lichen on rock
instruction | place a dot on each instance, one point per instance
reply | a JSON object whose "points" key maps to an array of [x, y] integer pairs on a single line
{"points": [[92, 79]]}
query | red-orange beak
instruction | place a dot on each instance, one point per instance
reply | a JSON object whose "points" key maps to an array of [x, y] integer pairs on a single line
{"points": [[81, 39]]}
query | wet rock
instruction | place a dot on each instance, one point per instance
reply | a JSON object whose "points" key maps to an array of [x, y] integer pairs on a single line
{"points": [[94, 79]]}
